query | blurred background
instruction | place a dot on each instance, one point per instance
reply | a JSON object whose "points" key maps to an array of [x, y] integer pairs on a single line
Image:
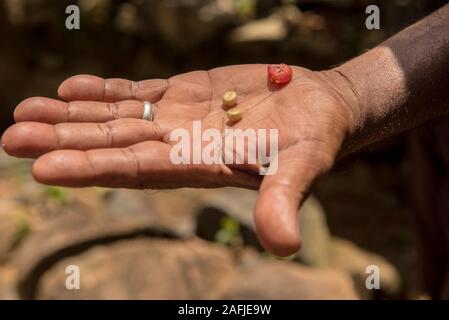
{"points": [[194, 244]]}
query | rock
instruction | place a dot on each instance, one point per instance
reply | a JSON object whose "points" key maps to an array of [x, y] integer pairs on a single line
{"points": [[43, 226], [173, 209], [316, 237], [143, 269], [176, 210], [151, 268], [174, 22], [241, 207], [348, 257], [215, 204], [15, 225], [319, 248], [13, 174], [70, 234], [270, 279], [8, 278], [267, 29]]}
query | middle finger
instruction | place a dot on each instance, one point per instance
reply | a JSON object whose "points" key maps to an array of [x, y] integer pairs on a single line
{"points": [[32, 139]]}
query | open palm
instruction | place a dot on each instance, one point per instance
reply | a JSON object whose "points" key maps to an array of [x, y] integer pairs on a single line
{"points": [[96, 136]]}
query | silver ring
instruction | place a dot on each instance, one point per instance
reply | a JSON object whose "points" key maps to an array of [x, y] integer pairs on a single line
{"points": [[147, 111]]}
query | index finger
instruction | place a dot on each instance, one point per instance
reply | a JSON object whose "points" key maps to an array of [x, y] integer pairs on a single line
{"points": [[143, 165], [93, 88]]}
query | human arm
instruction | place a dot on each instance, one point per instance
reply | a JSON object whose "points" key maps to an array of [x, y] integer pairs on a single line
{"points": [[95, 135]]}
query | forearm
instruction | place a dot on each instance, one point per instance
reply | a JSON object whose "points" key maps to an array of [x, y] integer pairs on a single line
{"points": [[400, 84]]}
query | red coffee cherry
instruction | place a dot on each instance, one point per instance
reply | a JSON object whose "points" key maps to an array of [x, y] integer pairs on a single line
{"points": [[279, 73]]}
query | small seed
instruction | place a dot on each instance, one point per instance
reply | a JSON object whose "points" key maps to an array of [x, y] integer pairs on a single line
{"points": [[234, 114], [229, 98]]}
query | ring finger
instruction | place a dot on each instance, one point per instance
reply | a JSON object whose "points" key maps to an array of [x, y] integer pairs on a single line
{"points": [[51, 111]]}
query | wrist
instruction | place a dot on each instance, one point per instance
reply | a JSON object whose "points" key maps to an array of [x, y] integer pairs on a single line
{"points": [[400, 84], [344, 89], [380, 90]]}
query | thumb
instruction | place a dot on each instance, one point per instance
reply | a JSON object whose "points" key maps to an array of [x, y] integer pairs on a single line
{"points": [[280, 196]]}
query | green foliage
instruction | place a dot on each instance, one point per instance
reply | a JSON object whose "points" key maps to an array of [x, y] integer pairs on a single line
{"points": [[57, 194], [229, 232], [245, 8], [271, 256]]}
